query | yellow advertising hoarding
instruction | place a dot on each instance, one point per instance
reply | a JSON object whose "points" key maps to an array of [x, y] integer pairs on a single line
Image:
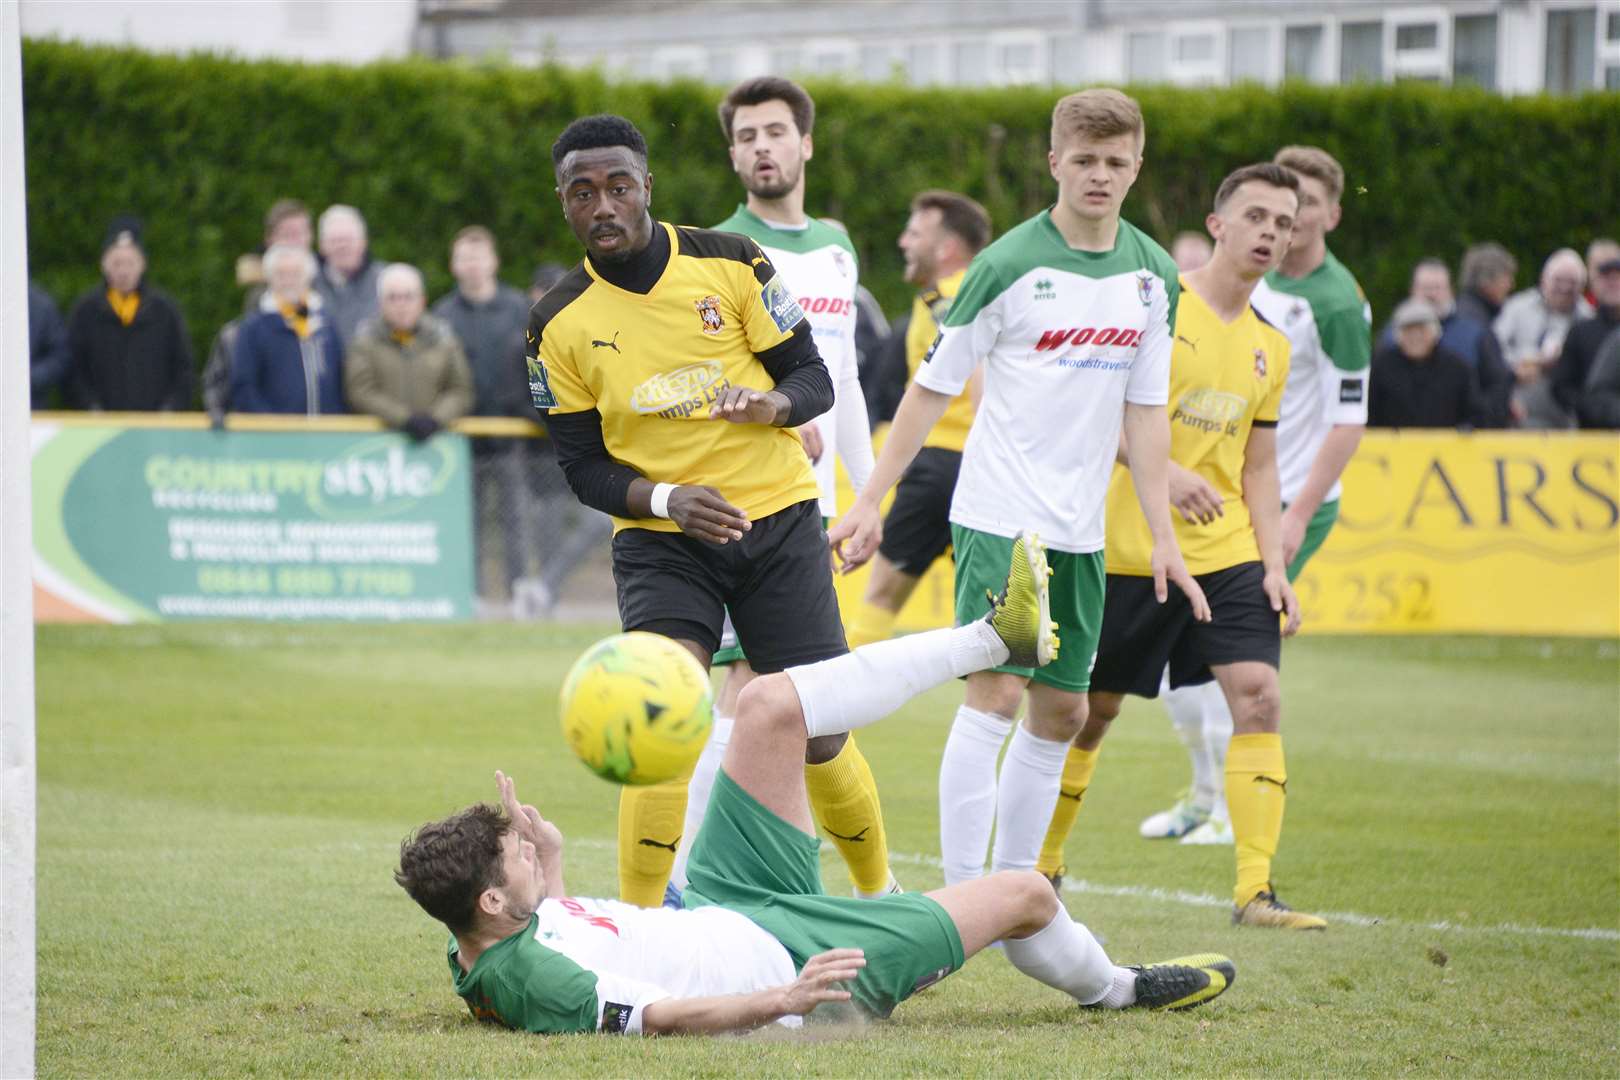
{"points": [[1439, 532]]}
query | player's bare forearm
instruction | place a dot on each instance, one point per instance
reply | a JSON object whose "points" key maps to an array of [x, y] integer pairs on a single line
{"points": [[1336, 451], [1262, 493], [713, 1015], [920, 409], [1147, 450], [820, 980]]}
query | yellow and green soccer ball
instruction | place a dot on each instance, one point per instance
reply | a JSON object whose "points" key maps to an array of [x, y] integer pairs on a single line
{"points": [[636, 708]]}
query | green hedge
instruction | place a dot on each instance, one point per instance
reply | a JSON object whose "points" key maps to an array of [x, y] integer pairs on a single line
{"points": [[199, 147]]}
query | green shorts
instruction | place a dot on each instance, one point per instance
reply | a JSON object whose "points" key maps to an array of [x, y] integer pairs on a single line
{"points": [[1316, 532], [1077, 602], [749, 860], [730, 650]]}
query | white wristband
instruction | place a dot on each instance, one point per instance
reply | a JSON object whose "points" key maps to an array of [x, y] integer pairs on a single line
{"points": [[660, 499]]}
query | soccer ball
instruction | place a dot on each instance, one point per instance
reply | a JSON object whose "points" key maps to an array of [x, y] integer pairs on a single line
{"points": [[636, 708]]}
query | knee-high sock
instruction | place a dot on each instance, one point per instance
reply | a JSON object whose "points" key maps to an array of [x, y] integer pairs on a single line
{"points": [[967, 791], [844, 799], [1256, 790], [650, 820], [1217, 739], [871, 623], [1186, 708], [1025, 796], [862, 687], [697, 793], [1064, 955], [1077, 769]]}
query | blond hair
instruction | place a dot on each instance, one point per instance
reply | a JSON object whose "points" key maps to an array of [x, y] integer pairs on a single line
{"points": [[1316, 163], [1098, 114]]}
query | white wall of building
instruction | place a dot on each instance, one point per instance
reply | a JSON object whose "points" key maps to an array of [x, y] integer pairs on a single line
{"points": [[351, 31]]}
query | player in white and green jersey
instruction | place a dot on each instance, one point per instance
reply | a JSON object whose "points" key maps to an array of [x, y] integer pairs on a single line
{"points": [[1071, 315], [1316, 302], [767, 123]]}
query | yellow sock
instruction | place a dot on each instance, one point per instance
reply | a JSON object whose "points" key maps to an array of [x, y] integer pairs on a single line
{"points": [[844, 799], [1256, 789], [1077, 770], [650, 823], [871, 623]]}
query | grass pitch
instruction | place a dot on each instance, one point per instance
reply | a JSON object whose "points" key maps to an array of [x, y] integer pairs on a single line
{"points": [[220, 809]]}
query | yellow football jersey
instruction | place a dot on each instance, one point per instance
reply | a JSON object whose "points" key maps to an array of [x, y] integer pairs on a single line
{"points": [[926, 313], [1224, 379], [652, 365]]}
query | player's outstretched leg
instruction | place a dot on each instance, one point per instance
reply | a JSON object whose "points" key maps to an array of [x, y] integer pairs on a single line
{"points": [[777, 713], [1018, 909]]}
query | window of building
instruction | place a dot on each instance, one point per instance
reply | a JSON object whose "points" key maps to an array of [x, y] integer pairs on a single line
{"points": [[1361, 52], [1068, 59], [1417, 37], [1473, 50], [1571, 50], [1302, 53], [1611, 77], [922, 63], [1194, 48], [1019, 59], [877, 62], [1145, 57], [970, 63], [722, 67], [786, 61], [1248, 54], [1613, 26]]}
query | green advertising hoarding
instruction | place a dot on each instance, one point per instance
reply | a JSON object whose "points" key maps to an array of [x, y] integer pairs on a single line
{"points": [[135, 524]]}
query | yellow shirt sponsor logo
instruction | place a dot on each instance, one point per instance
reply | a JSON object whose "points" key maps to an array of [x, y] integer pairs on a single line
{"points": [[677, 394]]}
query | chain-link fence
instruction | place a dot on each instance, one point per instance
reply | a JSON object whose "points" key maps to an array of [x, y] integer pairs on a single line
{"points": [[540, 554]]}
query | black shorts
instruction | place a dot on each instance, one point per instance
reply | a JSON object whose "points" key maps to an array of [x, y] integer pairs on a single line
{"points": [[1141, 635], [776, 581], [918, 528]]}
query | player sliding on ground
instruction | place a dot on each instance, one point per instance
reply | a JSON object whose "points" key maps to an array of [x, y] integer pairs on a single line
{"points": [[1227, 375], [758, 941]]}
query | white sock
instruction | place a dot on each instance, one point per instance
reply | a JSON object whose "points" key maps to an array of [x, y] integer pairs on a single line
{"points": [[862, 687], [1065, 956], [967, 791], [1217, 735], [1031, 775], [1186, 707], [697, 793]]}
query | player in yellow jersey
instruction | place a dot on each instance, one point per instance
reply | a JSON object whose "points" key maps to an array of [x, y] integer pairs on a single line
{"points": [[941, 237], [671, 362], [1227, 373]]}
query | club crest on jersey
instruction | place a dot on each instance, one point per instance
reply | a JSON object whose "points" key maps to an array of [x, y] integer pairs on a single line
{"points": [[1259, 363], [841, 262], [1144, 289], [708, 310]]}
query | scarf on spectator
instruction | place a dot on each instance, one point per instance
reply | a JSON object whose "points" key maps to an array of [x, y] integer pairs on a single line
{"points": [[124, 305]]}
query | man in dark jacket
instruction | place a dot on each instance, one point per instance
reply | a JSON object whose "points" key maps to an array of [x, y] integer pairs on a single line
{"points": [[1416, 383], [1599, 405], [47, 347], [347, 280], [127, 342], [1469, 338], [1485, 279], [1587, 336], [288, 358], [487, 317]]}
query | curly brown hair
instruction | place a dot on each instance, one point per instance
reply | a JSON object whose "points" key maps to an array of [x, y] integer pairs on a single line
{"points": [[446, 865]]}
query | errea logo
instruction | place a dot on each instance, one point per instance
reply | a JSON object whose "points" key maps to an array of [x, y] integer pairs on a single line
{"points": [[1044, 289]]}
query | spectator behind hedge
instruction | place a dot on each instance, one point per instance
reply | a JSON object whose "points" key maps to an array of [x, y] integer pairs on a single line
{"points": [[406, 367], [1587, 336], [1416, 383], [1532, 328], [1598, 252], [47, 347], [1190, 250], [1470, 339], [489, 319], [348, 277], [127, 342], [288, 359], [1599, 404]]}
